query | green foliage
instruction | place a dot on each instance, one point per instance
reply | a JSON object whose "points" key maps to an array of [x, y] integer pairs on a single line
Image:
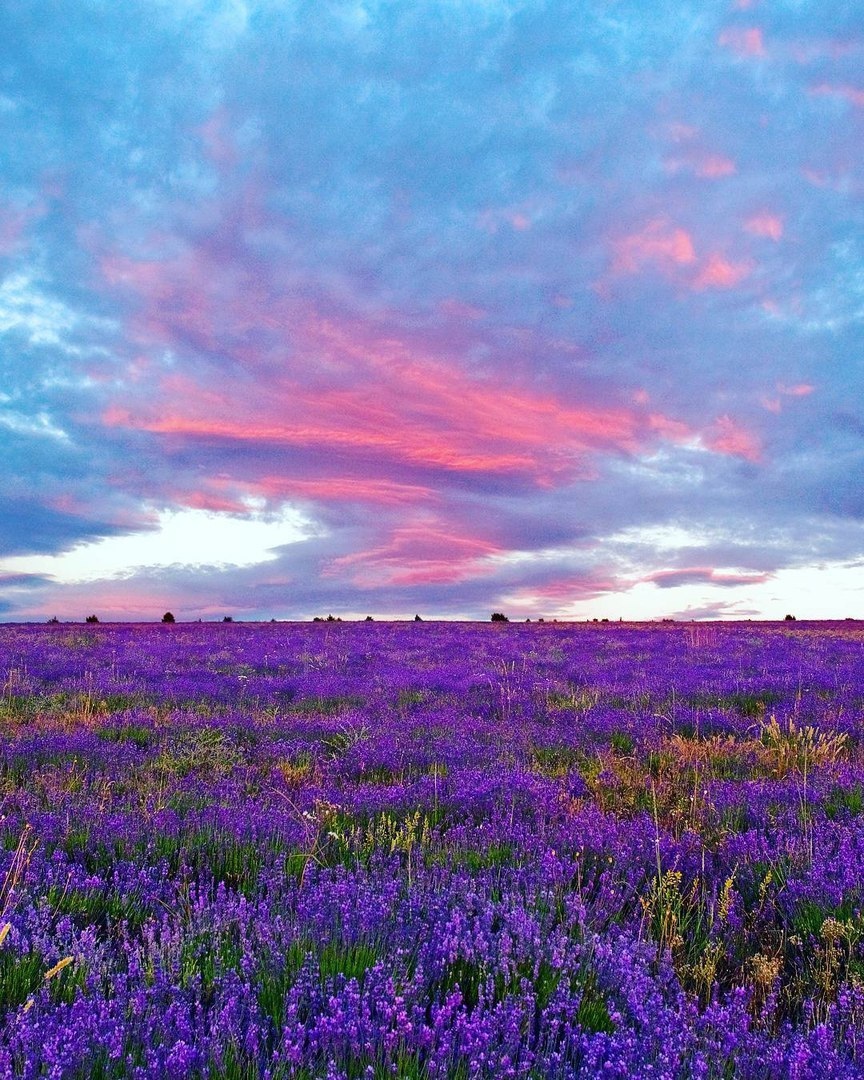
{"points": [[842, 801], [593, 1012], [276, 977], [204, 959], [137, 734], [20, 976], [98, 907], [23, 975], [349, 960], [555, 761], [752, 704], [638, 701], [622, 742], [324, 705], [204, 750], [411, 697], [576, 698], [475, 859]]}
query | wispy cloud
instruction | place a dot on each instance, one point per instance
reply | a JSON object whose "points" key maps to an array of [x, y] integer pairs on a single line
{"points": [[357, 306]]}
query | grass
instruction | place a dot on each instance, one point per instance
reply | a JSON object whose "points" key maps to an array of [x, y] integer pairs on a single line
{"points": [[325, 705], [844, 802], [752, 704], [137, 734], [555, 762], [23, 975], [99, 907], [605, 776]]}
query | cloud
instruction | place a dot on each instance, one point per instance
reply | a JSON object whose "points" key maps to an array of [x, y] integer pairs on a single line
{"points": [[657, 242], [765, 224], [174, 540], [698, 575], [719, 273], [493, 307], [744, 41], [851, 94], [23, 581], [418, 552]]}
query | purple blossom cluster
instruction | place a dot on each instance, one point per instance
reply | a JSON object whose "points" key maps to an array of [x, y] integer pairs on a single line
{"points": [[373, 850]]}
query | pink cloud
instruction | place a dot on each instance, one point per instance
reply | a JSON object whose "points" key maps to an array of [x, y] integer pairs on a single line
{"points": [[673, 430], [568, 589], [657, 242], [172, 292], [719, 273], [715, 166], [11, 231], [811, 50], [424, 552], [765, 224], [376, 408], [693, 575], [459, 309], [669, 248], [15, 221], [209, 500], [728, 437], [218, 143], [704, 166], [841, 178], [378, 492], [680, 132], [440, 421], [519, 218], [233, 494], [852, 94], [796, 390], [743, 41], [351, 390], [69, 503], [723, 436]]}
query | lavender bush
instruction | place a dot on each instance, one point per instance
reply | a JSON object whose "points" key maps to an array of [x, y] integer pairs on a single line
{"points": [[432, 850]]}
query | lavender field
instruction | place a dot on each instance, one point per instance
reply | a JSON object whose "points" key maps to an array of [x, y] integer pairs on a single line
{"points": [[432, 850]]}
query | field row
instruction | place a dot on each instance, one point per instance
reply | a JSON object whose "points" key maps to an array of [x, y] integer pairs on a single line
{"points": [[432, 850]]}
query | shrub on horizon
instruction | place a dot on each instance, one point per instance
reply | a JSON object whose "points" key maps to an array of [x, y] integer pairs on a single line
{"points": [[228, 618], [168, 617], [53, 621], [497, 616], [417, 618], [92, 619]]}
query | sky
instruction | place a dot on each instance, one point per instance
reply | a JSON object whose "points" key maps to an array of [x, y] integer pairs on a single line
{"points": [[548, 307]]}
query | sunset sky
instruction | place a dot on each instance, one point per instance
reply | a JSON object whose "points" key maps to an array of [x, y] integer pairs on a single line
{"points": [[438, 306]]}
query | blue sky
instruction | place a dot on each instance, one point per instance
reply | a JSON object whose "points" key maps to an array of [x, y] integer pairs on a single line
{"points": [[450, 307]]}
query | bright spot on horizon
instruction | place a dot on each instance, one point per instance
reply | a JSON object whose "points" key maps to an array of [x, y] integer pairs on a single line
{"points": [[188, 538]]}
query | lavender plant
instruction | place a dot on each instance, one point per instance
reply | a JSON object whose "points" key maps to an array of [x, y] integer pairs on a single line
{"points": [[346, 850]]}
